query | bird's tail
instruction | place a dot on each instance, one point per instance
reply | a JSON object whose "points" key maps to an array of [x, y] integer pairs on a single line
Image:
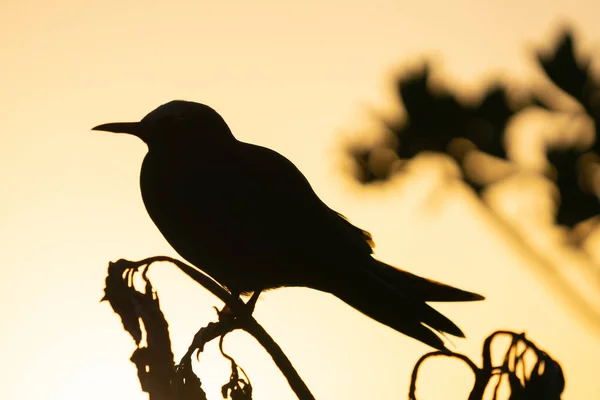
{"points": [[421, 288], [397, 299]]}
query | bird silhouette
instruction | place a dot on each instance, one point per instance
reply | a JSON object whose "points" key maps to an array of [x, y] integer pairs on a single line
{"points": [[246, 216]]}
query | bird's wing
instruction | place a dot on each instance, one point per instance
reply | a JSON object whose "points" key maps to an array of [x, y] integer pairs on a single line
{"points": [[283, 201], [366, 236], [251, 219]]}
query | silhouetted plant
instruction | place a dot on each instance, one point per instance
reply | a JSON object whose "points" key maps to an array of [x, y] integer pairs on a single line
{"points": [[159, 376], [162, 379], [545, 380], [438, 121]]}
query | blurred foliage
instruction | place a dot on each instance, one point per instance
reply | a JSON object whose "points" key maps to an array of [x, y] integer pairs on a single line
{"points": [[437, 120], [544, 380]]}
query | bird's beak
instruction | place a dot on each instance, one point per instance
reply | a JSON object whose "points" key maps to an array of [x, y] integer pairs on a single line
{"points": [[133, 128]]}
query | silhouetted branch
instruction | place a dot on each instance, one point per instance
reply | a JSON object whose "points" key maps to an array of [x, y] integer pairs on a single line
{"points": [[164, 380], [187, 385], [236, 387], [413, 378], [156, 370]]}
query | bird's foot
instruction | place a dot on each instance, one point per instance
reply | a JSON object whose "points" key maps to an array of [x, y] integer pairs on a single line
{"points": [[251, 303], [246, 311]]}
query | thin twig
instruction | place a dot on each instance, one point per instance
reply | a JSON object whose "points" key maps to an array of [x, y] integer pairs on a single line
{"points": [[413, 379]]}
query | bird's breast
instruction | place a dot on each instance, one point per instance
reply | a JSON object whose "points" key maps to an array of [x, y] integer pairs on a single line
{"points": [[204, 216]]}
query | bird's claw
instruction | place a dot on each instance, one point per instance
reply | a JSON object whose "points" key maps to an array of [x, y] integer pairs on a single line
{"points": [[251, 303], [245, 312]]}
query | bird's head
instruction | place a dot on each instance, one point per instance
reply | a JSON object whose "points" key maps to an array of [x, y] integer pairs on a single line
{"points": [[177, 123]]}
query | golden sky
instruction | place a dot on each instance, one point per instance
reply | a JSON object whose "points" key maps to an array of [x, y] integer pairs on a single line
{"points": [[293, 76]]}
